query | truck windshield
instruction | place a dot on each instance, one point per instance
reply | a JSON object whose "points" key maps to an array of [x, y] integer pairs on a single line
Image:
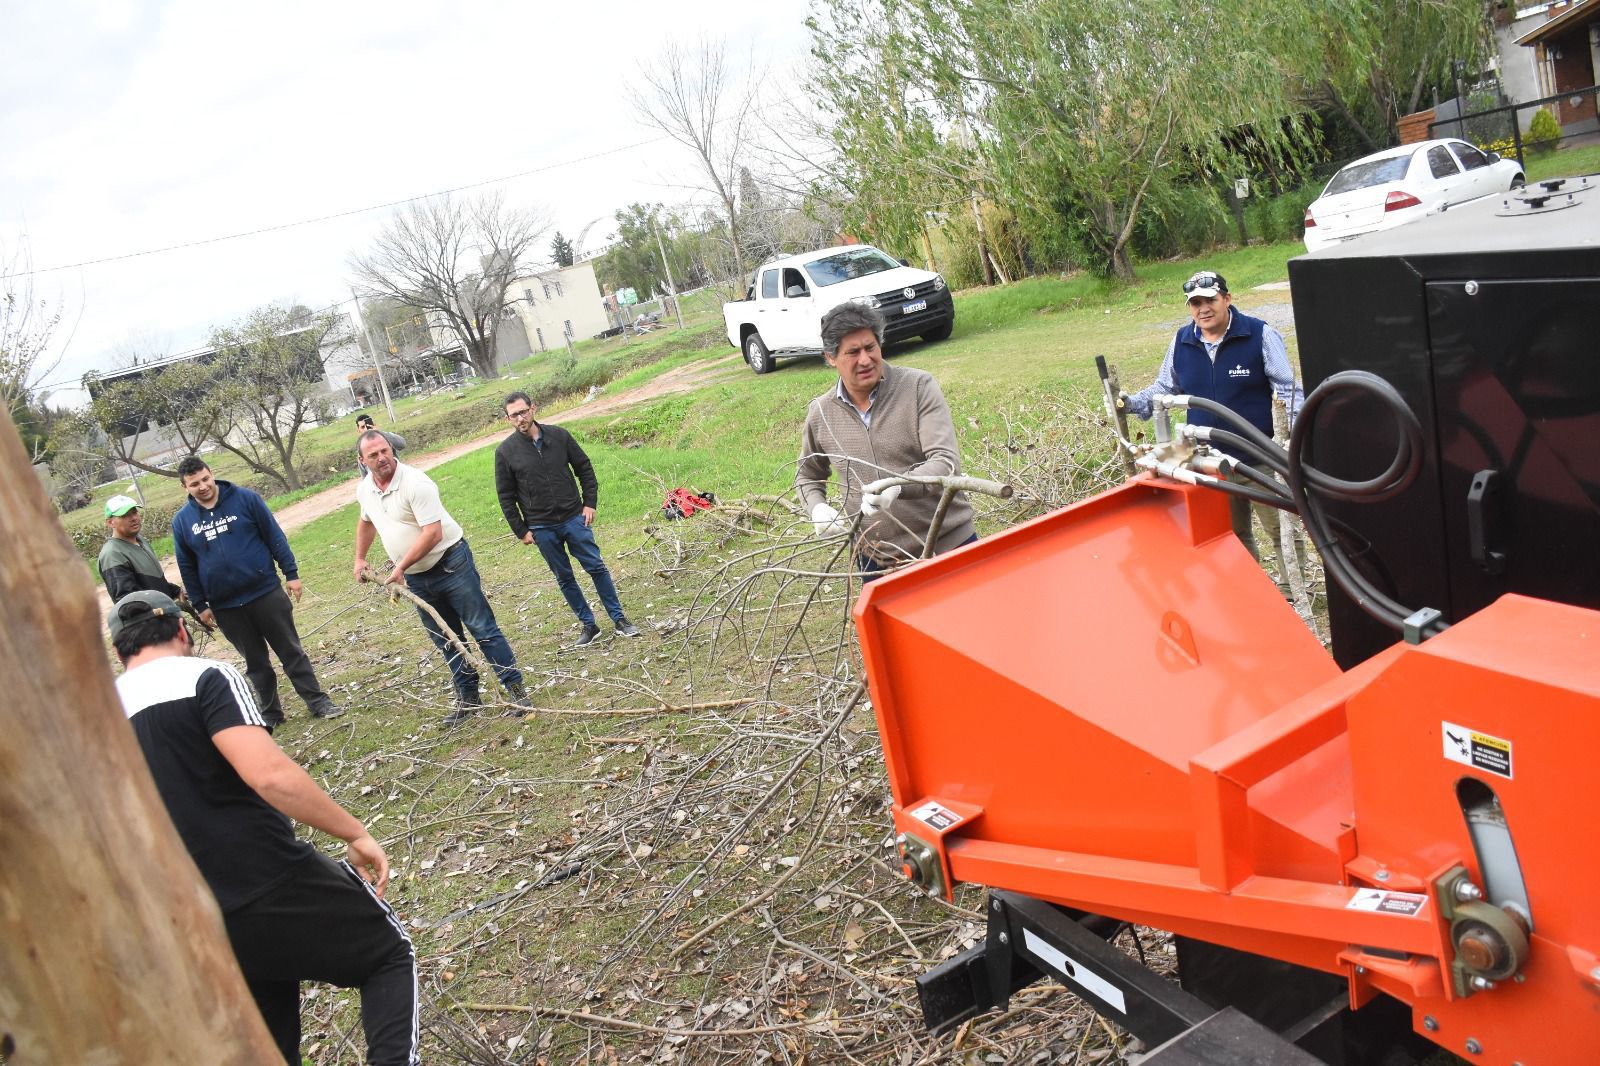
{"points": [[846, 266]]}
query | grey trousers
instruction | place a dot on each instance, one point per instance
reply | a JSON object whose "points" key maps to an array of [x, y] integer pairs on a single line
{"points": [[269, 622], [1239, 510]]}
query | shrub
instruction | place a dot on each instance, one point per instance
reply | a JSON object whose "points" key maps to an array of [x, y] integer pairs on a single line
{"points": [[1187, 221], [1544, 132]]}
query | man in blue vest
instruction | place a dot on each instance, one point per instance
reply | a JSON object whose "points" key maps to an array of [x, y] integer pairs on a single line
{"points": [[1226, 356]]}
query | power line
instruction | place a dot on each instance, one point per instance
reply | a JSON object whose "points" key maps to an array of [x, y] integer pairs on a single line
{"points": [[337, 214]]}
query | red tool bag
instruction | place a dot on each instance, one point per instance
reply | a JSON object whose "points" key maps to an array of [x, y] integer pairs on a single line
{"points": [[681, 503]]}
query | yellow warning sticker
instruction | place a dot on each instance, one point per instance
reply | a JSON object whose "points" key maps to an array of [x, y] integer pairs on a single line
{"points": [[1481, 751]]}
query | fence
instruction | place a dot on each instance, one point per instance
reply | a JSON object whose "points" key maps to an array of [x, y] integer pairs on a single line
{"points": [[1571, 117]]}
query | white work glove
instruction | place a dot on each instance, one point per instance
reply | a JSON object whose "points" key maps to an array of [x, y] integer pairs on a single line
{"points": [[878, 497], [826, 519]]}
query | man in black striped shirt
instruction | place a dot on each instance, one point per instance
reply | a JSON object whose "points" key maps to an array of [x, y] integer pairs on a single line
{"points": [[292, 914]]}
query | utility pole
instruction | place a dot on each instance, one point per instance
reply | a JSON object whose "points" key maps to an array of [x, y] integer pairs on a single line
{"points": [[672, 289], [383, 384]]}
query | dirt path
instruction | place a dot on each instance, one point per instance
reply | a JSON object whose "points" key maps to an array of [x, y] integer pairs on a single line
{"points": [[679, 379], [303, 512]]}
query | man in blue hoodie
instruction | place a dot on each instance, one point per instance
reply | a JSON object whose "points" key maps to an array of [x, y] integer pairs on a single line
{"points": [[227, 543]]}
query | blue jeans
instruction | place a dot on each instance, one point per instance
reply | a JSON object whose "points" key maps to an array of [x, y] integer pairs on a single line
{"points": [[573, 536], [453, 589]]}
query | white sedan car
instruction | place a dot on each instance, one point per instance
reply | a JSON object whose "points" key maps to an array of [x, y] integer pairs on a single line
{"points": [[1400, 185]]}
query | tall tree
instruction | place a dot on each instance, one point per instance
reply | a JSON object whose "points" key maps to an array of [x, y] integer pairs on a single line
{"points": [[561, 250], [111, 947], [1371, 62], [695, 99], [268, 386], [1079, 106], [893, 167], [633, 259], [455, 259]]}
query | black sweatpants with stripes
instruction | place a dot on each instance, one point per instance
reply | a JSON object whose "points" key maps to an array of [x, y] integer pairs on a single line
{"points": [[326, 924]]}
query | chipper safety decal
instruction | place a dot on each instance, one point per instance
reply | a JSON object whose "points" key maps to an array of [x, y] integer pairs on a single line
{"points": [[936, 817], [1376, 899], [1477, 750]]}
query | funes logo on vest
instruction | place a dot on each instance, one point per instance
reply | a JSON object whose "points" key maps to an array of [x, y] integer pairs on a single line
{"points": [[1239, 371]]}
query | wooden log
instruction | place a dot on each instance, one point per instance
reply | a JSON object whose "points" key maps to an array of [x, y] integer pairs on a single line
{"points": [[111, 946]]}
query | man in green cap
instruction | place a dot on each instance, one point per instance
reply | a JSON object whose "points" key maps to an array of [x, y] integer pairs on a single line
{"points": [[127, 563]]}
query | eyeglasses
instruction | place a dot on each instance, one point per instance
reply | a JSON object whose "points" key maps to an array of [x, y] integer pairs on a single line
{"points": [[517, 416], [1205, 281]]}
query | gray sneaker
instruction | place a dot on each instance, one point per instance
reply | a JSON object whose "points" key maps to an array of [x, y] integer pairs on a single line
{"points": [[626, 628], [590, 632]]}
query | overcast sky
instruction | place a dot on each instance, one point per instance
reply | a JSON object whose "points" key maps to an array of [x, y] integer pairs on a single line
{"points": [[129, 126]]}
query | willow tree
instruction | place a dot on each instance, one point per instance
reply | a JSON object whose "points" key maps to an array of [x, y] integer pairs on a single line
{"points": [[1084, 105], [1073, 112], [1372, 62], [896, 163]]}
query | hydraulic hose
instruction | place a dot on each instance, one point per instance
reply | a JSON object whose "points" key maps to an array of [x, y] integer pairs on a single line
{"points": [[1306, 485]]}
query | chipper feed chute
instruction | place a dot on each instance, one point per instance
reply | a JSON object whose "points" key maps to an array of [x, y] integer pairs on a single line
{"points": [[1112, 709]]}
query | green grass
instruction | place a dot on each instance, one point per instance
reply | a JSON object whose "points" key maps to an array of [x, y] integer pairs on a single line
{"points": [[1563, 162]]}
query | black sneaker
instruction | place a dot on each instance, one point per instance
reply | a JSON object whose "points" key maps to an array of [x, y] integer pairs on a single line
{"points": [[326, 709], [272, 721], [590, 632], [519, 700], [626, 628]]}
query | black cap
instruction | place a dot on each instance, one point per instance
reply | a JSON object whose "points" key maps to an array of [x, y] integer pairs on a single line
{"points": [[138, 607]]}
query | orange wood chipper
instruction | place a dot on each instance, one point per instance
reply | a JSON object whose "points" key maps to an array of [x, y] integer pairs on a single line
{"points": [[1110, 715]]}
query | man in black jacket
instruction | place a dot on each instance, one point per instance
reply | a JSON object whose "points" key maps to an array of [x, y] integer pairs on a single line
{"points": [[127, 563], [534, 471]]}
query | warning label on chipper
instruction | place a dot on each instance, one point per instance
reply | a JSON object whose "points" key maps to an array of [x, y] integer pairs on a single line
{"points": [[1477, 750], [936, 817], [1376, 899]]}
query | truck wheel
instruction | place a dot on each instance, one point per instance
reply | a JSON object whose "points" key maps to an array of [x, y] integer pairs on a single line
{"points": [[756, 354], [942, 332]]}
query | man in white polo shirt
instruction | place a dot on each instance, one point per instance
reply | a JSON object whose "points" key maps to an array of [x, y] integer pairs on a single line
{"points": [[400, 504]]}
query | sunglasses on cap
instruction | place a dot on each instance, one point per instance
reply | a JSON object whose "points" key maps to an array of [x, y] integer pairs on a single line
{"points": [[1205, 281]]}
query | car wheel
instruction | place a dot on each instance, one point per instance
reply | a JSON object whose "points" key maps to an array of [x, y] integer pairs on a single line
{"points": [[941, 332], [756, 354], [1518, 182]]}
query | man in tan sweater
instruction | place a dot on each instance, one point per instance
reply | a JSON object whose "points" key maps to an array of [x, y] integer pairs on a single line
{"points": [[879, 421]]}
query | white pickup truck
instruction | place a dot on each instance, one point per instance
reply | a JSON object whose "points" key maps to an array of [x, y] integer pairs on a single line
{"points": [[781, 313]]}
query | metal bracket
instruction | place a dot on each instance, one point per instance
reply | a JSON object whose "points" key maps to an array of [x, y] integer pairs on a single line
{"points": [[1415, 627], [922, 863]]}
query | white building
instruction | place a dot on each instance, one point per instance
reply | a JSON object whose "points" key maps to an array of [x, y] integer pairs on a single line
{"points": [[558, 302]]}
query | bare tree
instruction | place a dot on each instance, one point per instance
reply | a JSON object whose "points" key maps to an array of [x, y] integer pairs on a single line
{"points": [[454, 259], [28, 327], [692, 98]]}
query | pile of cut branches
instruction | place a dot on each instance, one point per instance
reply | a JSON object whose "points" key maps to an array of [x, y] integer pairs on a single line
{"points": [[685, 854]]}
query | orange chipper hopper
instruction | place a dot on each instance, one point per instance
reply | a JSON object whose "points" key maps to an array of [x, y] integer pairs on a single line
{"points": [[1112, 709]]}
